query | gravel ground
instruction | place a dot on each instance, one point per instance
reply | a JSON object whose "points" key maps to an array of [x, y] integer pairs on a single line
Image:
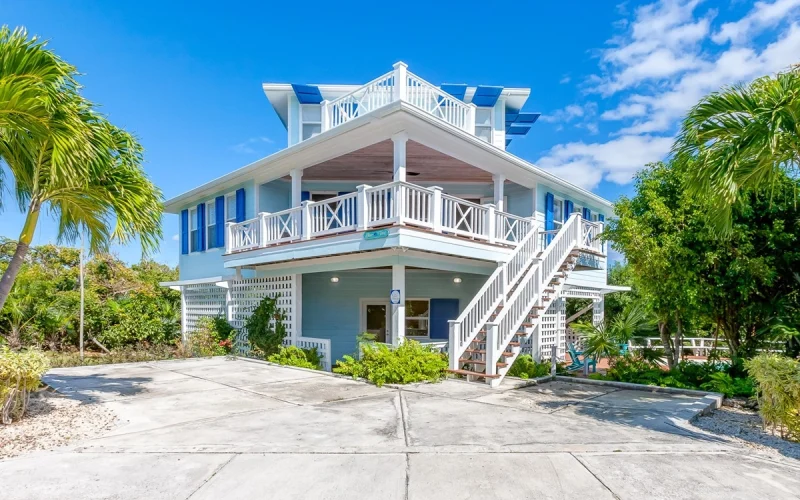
{"points": [[51, 421], [743, 426]]}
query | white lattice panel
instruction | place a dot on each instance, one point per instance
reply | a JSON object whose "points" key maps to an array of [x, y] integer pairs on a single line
{"points": [[552, 329], [598, 311], [206, 300], [248, 293]]}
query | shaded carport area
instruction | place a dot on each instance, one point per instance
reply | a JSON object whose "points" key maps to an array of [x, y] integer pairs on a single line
{"points": [[214, 428]]}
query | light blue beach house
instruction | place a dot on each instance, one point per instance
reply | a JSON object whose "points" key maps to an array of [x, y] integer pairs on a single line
{"points": [[396, 209]]}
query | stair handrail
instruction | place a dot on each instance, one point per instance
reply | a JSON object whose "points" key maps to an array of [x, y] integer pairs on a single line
{"points": [[530, 288], [465, 328]]}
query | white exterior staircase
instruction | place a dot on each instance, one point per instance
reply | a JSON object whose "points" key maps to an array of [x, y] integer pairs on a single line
{"points": [[486, 338]]}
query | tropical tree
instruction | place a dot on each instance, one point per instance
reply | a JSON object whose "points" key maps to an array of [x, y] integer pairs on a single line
{"points": [[78, 166], [744, 136]]}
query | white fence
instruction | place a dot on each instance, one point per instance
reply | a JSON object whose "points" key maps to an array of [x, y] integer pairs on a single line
{"points": [[694, 346], [378, 206]]}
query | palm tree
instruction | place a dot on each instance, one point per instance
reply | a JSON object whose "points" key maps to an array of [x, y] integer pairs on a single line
{"points": [[72, 162], [742, 137], [604, 340]]}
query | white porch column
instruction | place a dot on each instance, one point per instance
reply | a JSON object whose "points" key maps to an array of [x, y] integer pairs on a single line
{"points": [[399, 310], [499, 192], [400, 140], [400, 81], [297, 176]]}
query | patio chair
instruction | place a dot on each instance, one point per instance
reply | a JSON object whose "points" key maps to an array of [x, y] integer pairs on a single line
{"points": [[577, 362], [623, 349]]}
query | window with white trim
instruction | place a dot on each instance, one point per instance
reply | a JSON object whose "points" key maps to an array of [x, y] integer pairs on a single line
{"points": [[211, 224], [322, 195], [558, 212], [418, 317], [310, 120], [230, 207], [483, 123], [194, 236]]}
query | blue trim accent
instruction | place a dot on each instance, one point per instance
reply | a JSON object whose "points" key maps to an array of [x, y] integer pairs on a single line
{"points": [[587, 214], [305, 195], [201, 226], [219, 207], [241, 213], [549, 201], [486, 95], [307, 94], [442, 310], [457, 90], [569, 207], [185, 232], [601, 217]]}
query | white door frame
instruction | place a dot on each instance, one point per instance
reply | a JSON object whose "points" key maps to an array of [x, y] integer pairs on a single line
{"points": [[362, 313]]}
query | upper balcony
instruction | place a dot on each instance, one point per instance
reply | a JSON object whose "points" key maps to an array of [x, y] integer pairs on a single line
{"points": [[378, 207], [399, 85]]}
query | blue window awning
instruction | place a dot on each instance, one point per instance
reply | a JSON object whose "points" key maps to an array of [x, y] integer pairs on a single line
{"points": [[457, 90], [307, 94], [486, 95]]}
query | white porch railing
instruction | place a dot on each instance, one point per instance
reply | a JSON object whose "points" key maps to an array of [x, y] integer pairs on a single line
{"points": [[699, 346], [399, 203], [591, 235], [399, 85]]}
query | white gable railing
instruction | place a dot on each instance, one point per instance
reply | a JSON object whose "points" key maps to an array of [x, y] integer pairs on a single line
{"points": [[370, 207], [399, 85]]}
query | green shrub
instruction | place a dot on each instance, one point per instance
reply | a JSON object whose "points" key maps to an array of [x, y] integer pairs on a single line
{"points": [[777, 381], [204, 340], [265, 327], [222, 328], [20, 372], [408, 363], [295, 356], [729, 386], [525, 367]]}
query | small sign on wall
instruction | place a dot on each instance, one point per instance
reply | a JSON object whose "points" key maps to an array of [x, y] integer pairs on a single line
{"points": [[376, 235], [394, 297]]}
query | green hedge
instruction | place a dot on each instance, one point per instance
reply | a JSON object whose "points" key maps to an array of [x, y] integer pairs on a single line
{"points": [[295, 356], [408, 363]]}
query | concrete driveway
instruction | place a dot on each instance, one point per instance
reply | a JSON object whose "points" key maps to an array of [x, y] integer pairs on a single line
{"points": [[218, 428]]}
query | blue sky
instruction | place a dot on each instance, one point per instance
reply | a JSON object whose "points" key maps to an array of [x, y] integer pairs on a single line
{"points": [[612, 80]]}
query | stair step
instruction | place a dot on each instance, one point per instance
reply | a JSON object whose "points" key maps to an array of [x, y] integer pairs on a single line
{"points": [[550, 290], [526, 325], [514, 343], [469, 372], [499, 364], [483, 351], [539, 307]]}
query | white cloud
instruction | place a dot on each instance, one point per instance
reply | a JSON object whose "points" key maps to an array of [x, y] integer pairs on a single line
{"points": [[763, 15], [565, 79], [625, 111], [175, 237], [250, 145], [616, 160], [564, 115]]}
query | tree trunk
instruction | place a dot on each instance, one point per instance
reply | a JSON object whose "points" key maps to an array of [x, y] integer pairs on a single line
{"points": [[24, 243], [678, 344], [665, 341]]}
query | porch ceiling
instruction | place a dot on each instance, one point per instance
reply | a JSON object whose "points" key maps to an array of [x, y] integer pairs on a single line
{"points": [[374, 163]]}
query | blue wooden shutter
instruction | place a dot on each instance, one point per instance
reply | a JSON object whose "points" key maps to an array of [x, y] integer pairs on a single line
{"points": [[601, 217], [184, 232], [569, 207], [549, 200], [219, 207], [587, 214], [305, 195], [240, 206], [442, 310], [201, 226]]}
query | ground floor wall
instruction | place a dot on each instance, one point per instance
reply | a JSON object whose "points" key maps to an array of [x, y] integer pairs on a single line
{"points": [[332, 310]]}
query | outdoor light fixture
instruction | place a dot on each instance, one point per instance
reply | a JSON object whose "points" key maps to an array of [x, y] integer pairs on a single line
{"points": [[456, 280], [334, 279]]}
